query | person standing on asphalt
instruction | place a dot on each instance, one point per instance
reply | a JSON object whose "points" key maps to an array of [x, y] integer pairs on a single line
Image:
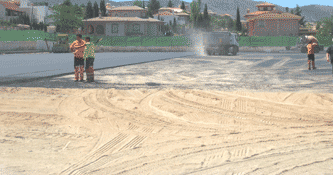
{"points": [[78, 57], [89, 56], [329, 55], [311, 57]]}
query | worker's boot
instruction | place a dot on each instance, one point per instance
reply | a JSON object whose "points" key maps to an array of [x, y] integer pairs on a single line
{"points": [[81, 72], [90, 74], [313, 65], [76, 73]]}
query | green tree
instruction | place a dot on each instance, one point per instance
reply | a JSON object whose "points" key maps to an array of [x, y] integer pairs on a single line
{"points": [[45, 28], [102, 7], [298, 12], [287, 9], [292, 11], [153, 6], [206, 17], [78, 10], [195, 18], [170, 4], [89, 11], [201, 21], [199, 5], [183, 5], [174, 25], [230, 24], [79, 13], [66, 18], [194, 13], [143, 4], [96, 10], [327, 27], [238, 22], [67, 3], [318, 25], [137, 3]]}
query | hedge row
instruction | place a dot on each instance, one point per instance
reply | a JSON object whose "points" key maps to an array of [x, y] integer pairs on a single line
{"points": [[34, 35]]}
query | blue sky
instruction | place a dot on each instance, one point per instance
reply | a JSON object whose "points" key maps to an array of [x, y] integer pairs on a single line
{"points": [[284, 3]]}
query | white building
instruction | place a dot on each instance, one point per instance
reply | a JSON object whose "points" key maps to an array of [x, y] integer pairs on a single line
{"points": [[36, 12], [9, 9], [168, 14]]}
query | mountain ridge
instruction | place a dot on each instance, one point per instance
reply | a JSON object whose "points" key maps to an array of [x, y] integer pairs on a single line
{"points": [[311, 13]]}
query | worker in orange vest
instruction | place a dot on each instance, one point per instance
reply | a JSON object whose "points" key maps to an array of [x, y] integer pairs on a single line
{"points": [[78, 57], [311, 57]]}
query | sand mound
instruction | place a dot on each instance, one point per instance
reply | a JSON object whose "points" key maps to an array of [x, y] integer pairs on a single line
{"points": [[75, 131]]}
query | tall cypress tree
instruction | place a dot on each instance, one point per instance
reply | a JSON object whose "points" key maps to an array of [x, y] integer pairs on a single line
{"points": [[238, 22], [170, 4], [95, 10], [174, 25], [89, 11], [298, 12], [102, 7], [182, 6], [206, 17], [153, 6], [143, 4], [67, 3]]}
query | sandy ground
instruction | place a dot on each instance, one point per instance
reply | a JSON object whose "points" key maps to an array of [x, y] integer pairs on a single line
{"points": [[98, 129]]}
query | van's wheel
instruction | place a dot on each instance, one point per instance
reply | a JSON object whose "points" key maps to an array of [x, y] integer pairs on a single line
{"points": [[234, 50]]}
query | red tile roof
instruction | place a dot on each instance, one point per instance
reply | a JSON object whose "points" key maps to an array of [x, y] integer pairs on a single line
{"points": [[181, 14], [10, 5], [276, 16], [265, 4], [128, 8], [225, 15], [164, 14], [257, 13], [122, 19]]}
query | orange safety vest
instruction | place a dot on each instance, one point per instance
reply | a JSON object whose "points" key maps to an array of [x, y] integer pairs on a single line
{"points": [[78, 51]]}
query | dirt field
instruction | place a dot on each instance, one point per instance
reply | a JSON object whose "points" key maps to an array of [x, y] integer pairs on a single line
{"points": [[181, 116]]}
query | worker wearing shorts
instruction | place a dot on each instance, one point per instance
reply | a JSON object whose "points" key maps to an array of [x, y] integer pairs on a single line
{"points": [[89, 56], [78, 57], [311, 57]]}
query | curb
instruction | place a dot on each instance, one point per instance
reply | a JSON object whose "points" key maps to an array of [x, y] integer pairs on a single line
{"points": [[22, 52]]}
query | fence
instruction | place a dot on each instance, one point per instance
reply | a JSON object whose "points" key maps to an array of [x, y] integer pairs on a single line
{"points": [[268, 41], [34, 35], [278, 41], [137, 41]]}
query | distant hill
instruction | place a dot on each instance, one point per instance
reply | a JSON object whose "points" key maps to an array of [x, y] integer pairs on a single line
{"points": [[312, 13]]}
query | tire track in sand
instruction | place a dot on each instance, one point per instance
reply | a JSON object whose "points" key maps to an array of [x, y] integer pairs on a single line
{"points": [[95, 154], [213, 109], [177, 124], [98, 158]]}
